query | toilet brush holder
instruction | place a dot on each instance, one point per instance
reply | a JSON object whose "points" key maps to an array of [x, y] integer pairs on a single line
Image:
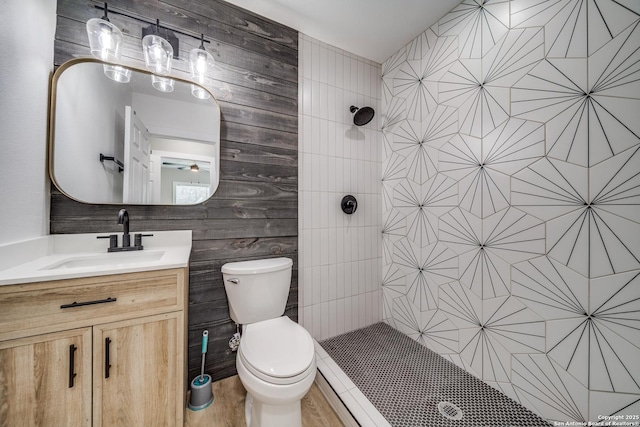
{"points": [[201, 393], [201, 386]]}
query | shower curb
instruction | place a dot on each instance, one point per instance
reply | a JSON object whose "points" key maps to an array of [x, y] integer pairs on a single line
{"points": [[357, 405]]}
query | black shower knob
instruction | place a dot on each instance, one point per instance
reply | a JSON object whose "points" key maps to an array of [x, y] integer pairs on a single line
{"points": [[349, 204]]}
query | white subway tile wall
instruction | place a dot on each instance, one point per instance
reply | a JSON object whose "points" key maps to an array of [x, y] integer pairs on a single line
{"points": [[340, 264]]}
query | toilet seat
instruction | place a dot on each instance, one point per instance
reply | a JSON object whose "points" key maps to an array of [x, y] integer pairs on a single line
{"points": [[278, 351], [275, 380]]}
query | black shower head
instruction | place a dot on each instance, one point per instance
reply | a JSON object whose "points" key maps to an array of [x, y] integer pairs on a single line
{"points": [[362, 115]]}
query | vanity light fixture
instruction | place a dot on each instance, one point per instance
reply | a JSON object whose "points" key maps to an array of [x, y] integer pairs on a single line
{"points": [[159, 45], [163, 84], [200, 62], [159, 48], [105, 39], [199, 92], [117, 73]]}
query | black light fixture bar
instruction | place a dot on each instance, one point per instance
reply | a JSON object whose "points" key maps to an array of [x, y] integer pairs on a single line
{"points": [[106, 13], [112, 11]]}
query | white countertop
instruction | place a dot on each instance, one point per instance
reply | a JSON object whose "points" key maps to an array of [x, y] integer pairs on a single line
{"points": [[68, 256]]}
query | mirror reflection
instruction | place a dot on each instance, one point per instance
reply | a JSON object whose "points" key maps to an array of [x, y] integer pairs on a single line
{"points": [[115, 143]]}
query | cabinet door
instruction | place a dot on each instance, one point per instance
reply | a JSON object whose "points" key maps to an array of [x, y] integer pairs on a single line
{"points": [[136, 372], [46, 380]]}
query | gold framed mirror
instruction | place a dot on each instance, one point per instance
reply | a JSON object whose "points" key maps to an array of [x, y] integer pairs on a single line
{"points": [[112, 142]]}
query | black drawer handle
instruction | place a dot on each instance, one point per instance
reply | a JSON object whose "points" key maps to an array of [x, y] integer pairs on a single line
{"points": [[80, 304], [72, 374]]}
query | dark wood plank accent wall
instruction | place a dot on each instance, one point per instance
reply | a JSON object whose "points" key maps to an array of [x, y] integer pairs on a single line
{"points": [[254, 213]]}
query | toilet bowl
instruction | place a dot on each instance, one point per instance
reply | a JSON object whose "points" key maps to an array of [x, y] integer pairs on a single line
{"points": [[276, 357], [276, 364]]}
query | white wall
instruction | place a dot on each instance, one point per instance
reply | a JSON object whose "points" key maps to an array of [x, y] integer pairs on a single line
{"points": [[96, 128], [27, 29], [178, 119], [340, 255]]}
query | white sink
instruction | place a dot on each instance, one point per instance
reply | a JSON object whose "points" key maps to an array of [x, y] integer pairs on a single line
{"points": [[109, 259], [67, 256]]}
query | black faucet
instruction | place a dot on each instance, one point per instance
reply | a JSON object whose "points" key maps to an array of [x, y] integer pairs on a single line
{"points": [[123, 218]]}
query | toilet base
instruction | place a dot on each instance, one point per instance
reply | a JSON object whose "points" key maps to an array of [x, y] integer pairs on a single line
{"points": [[269, 405], [258, 414]]}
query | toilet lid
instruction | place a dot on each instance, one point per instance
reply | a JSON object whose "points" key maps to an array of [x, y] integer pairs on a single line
{"points": [[277, 347]]}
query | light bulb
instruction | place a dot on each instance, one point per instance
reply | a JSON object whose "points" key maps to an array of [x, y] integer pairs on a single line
{"points": [[105, 38], [201, 63], [158, 53]]}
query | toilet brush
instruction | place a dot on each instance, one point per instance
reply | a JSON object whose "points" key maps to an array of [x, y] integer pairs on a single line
{"points": [[201, 386]]}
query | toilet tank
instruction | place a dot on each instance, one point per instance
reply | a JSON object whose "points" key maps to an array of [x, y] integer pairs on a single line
{"points": [[257, 290]]}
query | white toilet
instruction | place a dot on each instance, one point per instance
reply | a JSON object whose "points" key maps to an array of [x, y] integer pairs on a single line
{"points": [[276, 358]]}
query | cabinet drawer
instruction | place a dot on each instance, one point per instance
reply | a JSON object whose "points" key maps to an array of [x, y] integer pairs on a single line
{"points": [[64, 304]]}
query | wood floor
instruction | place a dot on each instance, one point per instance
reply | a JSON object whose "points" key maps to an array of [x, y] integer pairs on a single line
{"points": [[227, 409]]}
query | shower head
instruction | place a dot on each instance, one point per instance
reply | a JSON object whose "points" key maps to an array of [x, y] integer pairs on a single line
{"points": [[362, 115]]}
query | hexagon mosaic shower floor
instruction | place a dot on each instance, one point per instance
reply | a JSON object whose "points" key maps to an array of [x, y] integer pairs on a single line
{"points": [[406, 381]]}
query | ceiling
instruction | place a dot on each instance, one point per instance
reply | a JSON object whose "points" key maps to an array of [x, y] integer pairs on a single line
{"points": [[374, 29]]}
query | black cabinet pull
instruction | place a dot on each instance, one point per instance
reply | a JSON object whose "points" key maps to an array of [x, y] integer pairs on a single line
{"points": [[107, 342], [80, 304], [72, 374]]}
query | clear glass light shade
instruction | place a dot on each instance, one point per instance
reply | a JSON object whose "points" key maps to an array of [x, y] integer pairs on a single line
{"points": [[162, 84], [105, 39], [158, 54], [117, 73], [199, 92], [201, 63]]}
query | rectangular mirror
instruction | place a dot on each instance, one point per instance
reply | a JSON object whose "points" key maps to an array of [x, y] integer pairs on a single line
{"points": [[130, 143]]}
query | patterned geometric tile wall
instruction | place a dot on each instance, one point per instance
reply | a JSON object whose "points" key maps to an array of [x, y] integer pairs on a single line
{"points": [[511, 199]]}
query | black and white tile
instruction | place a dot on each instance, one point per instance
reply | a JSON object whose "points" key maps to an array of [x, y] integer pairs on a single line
{"points": [[405, 381], [526, 111]]}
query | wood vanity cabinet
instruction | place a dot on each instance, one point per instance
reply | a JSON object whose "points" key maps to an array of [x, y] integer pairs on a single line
{"points": [[37, 385], [117, 361]]}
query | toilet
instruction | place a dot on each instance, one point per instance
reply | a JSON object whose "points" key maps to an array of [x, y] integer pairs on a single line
{"points": [[276, 357]]}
